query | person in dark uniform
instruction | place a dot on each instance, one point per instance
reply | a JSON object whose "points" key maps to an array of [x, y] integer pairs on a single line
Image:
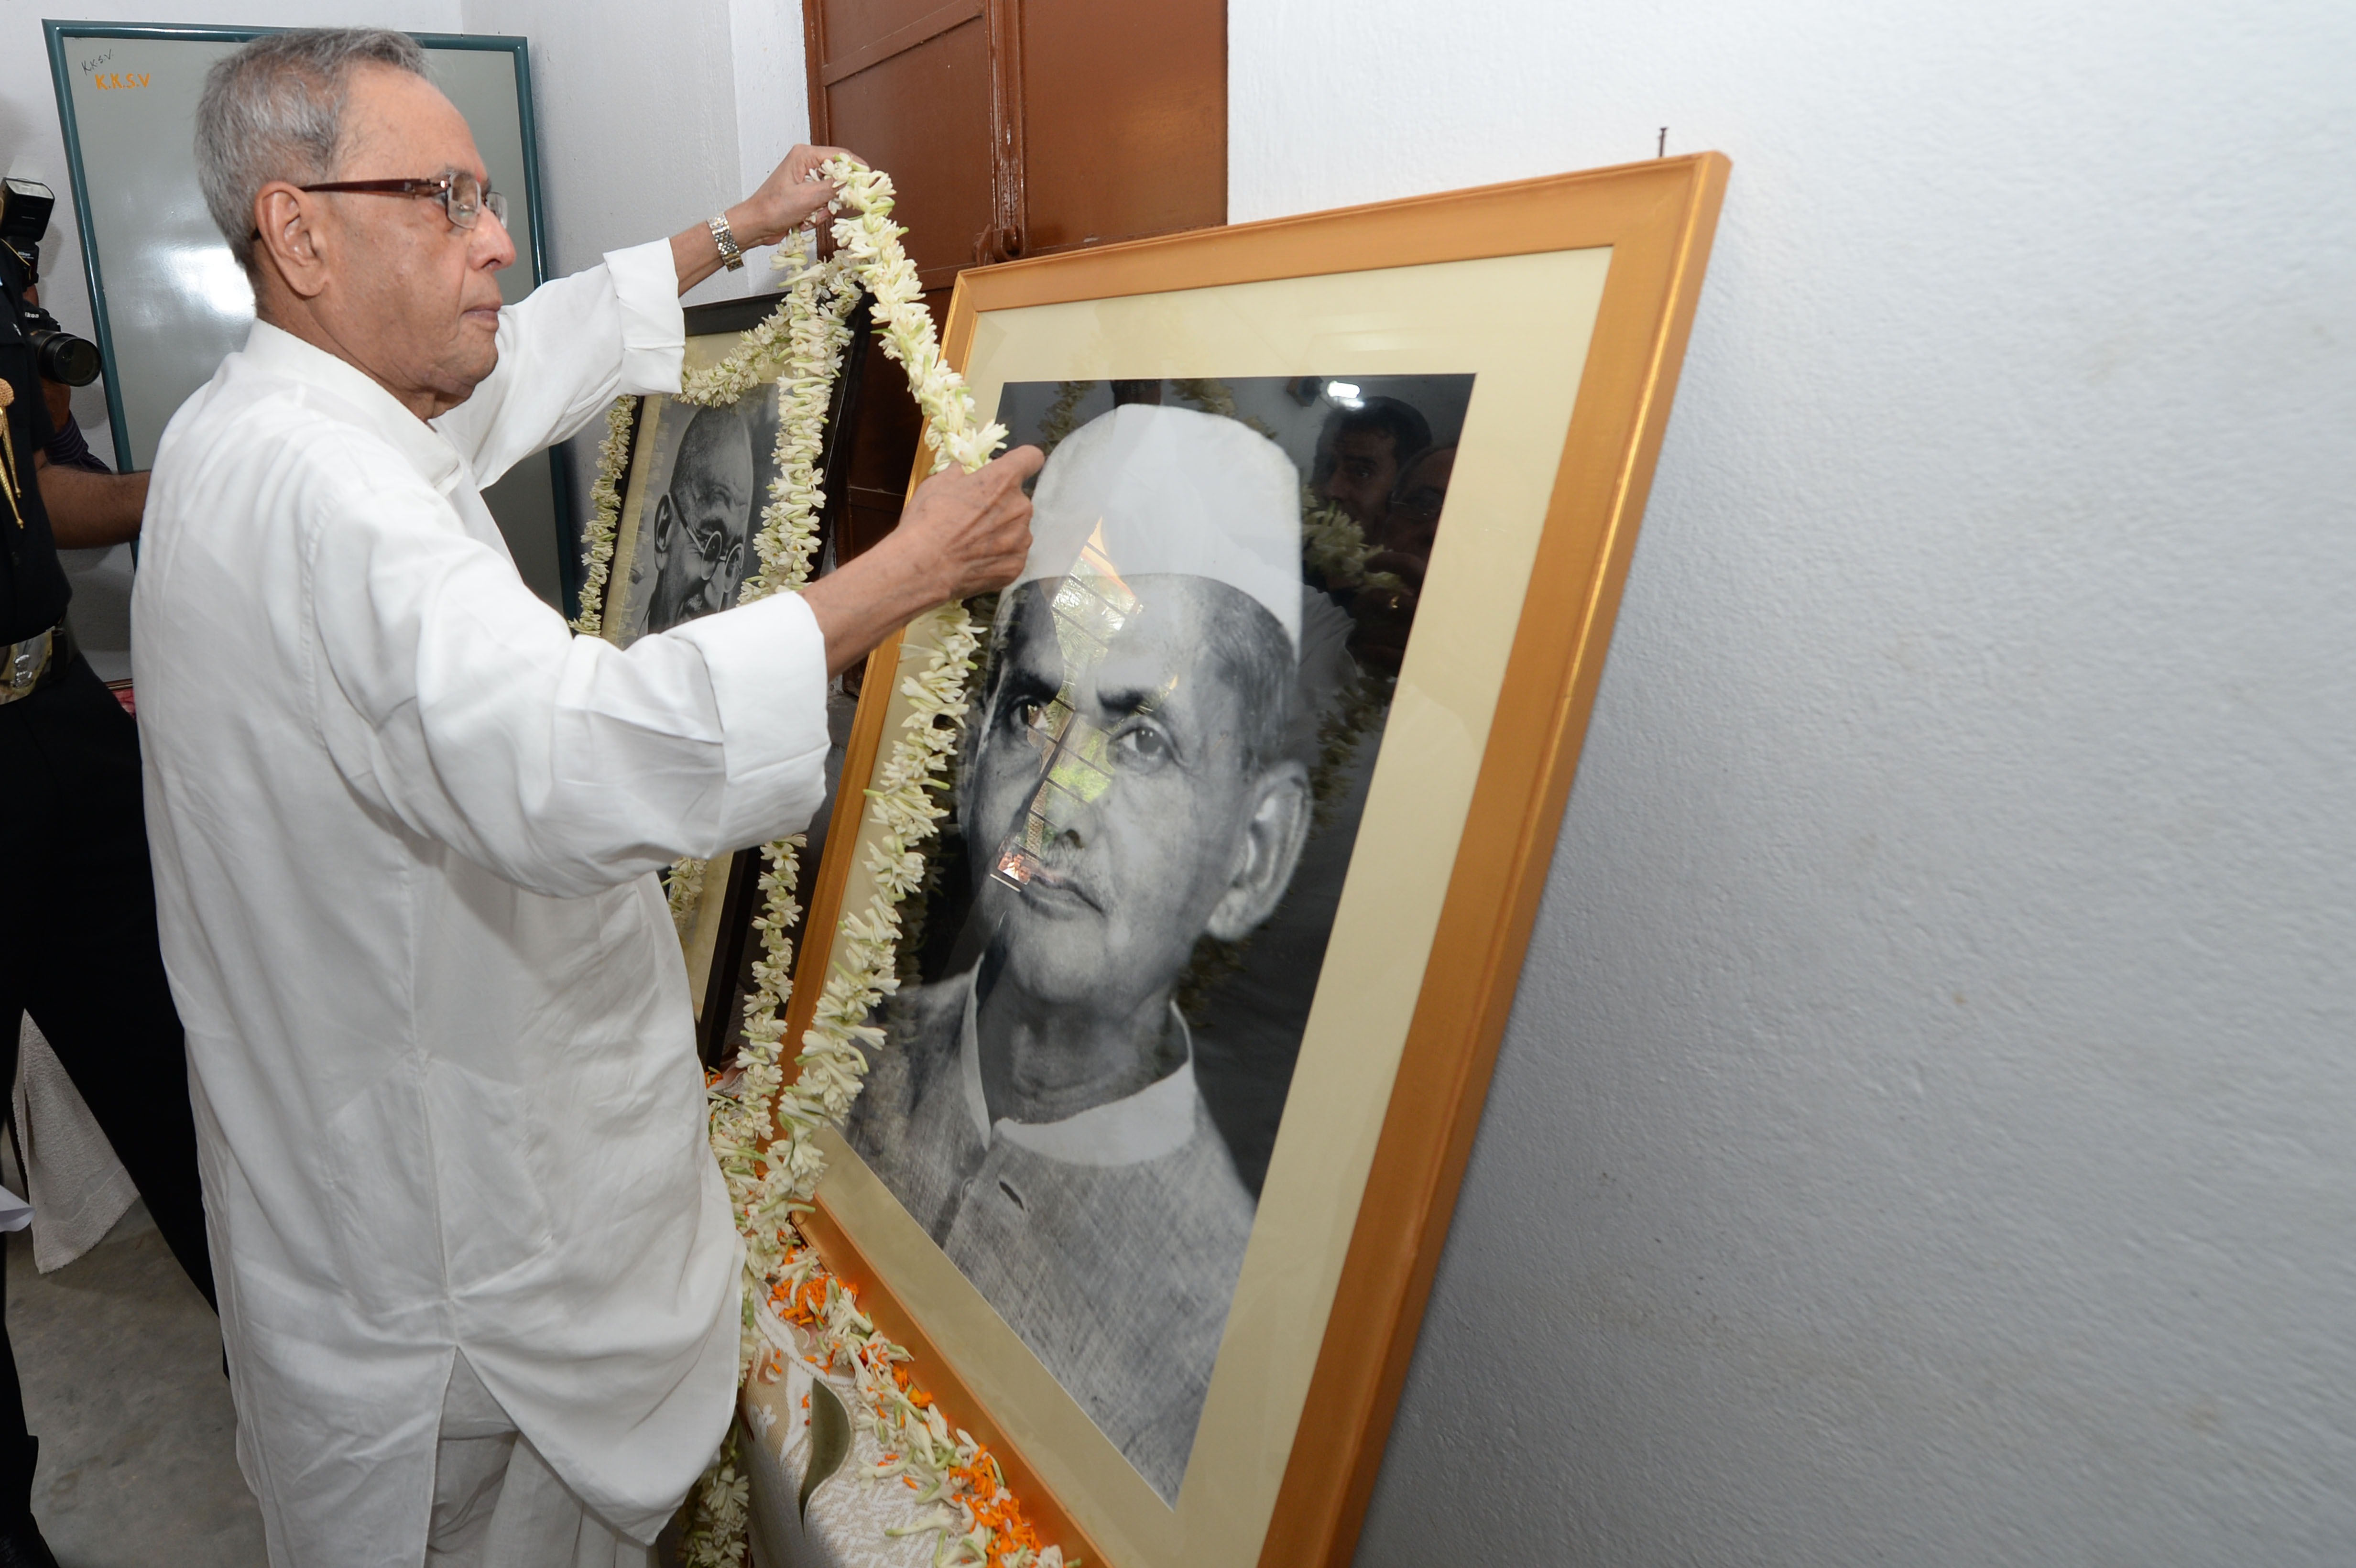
{"points": [[78, 946]]}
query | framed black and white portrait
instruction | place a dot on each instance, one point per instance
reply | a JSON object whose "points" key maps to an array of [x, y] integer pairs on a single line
{"points": [[1261, 761], [690, 498], [1165, 767], [698, 478]]}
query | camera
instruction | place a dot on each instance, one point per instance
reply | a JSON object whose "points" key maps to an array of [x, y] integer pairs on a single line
{"points": [[25, 207]]}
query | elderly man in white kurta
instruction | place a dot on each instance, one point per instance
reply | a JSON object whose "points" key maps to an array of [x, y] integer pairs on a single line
{"points": [[479, 1279]]}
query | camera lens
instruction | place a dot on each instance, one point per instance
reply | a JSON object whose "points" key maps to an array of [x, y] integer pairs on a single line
{"points": [[64, 358]]}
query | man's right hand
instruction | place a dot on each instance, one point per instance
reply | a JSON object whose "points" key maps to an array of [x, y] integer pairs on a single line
{"points": [[962, 534], [973, 529]]}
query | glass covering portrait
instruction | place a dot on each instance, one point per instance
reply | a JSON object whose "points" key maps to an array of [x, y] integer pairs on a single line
{"points": [[1190, 988], [1105, 986]]}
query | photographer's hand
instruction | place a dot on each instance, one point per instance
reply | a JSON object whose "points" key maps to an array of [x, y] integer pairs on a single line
{"points": [[88, 511]]}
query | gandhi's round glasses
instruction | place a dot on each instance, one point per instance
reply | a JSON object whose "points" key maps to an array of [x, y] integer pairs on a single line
{"points": [[718, 547], [462, 196]]}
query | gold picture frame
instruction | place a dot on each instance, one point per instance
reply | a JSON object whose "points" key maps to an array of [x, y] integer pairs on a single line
{"points": [[1568, 301]]}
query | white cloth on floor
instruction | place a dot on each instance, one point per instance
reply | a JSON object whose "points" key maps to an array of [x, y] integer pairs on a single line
{"points": [[495, 1502], [77, 1187], [405, 826], [849, 1514]]}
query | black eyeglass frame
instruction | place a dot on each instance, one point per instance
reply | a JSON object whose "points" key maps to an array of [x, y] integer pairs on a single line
{"points": [[442, 187]]}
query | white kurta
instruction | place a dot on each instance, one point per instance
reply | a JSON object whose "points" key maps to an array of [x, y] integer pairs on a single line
{"points": [[404, 826]]}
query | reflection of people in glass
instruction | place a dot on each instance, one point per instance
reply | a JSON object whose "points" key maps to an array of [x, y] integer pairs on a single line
{"points": [[1402, 539], [1360, 453], [1133, 780], [704, 522], [1411, 520]]}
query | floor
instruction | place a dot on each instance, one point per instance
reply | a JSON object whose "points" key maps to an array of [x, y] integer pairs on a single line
{"points": [[120, 1362]]}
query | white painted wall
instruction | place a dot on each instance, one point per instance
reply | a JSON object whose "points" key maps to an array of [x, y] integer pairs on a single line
{"points": [[771, 102], [1927, 1132], [654, 117]]}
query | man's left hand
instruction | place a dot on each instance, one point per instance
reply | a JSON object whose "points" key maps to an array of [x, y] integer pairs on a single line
{"points": [[783, 203], [786, 199]]}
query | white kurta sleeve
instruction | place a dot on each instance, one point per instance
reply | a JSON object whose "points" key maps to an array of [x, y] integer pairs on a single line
{"points": [[452, 697], [566, 351]]}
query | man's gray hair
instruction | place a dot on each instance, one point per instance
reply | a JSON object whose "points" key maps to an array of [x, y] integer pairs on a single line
{"points": [[274, 111]]}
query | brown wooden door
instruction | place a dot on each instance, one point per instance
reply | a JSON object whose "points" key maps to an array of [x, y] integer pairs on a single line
{"points": [[1011, 128], [1122, 129]]}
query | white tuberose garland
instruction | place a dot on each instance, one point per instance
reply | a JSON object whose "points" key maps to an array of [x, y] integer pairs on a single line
{"points": [[605, 512], [764, 1134], [771, 1175]]}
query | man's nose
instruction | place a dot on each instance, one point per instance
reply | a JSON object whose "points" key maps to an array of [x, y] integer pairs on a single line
{"points": [[1068, 802], [495, 246]]}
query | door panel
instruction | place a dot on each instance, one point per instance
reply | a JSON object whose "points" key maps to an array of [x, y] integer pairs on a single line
{"points": [[863, 27], [923, 116], [1011, 127], [1124, 121]]}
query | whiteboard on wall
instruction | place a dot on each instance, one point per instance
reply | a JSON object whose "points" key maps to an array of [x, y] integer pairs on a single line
{"points": [[168, 300]]}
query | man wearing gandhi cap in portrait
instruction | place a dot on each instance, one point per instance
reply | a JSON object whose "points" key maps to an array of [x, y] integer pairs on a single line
{"points": [[1133, 781]]}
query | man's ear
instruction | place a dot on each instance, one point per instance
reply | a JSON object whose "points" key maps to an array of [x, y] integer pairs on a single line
{"points": [[662, 525], [290, 245], [1272, 837]]}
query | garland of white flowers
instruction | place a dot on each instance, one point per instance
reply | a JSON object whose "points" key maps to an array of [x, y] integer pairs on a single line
{"points": [[764, 1130], [605, 514]]}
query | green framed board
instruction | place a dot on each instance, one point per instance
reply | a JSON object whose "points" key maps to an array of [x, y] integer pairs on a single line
{"points": [[169, 301]]}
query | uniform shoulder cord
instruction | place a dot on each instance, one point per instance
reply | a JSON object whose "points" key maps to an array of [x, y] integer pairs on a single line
{"points": [[13, 482]]}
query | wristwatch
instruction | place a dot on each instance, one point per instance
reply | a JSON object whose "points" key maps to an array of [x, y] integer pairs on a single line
{"points": [[732, 256]]}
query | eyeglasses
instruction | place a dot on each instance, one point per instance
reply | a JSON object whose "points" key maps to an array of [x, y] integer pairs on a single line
{"points": [[720, 547], [462, 196]]}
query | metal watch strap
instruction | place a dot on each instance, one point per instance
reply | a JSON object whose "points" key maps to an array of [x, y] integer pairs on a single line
{"points": [[732, 256]]}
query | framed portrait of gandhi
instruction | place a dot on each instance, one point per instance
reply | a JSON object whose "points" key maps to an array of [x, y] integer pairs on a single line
{"points": [[698, 479], [1263, 759], [691, 496]]}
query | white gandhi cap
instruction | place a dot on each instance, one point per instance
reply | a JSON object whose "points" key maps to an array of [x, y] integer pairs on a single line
{"points": [[1178, 492]]}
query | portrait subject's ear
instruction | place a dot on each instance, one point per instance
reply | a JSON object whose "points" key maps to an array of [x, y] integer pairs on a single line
{"points": [[291, 242], [1272, 837], [662, 525]]}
